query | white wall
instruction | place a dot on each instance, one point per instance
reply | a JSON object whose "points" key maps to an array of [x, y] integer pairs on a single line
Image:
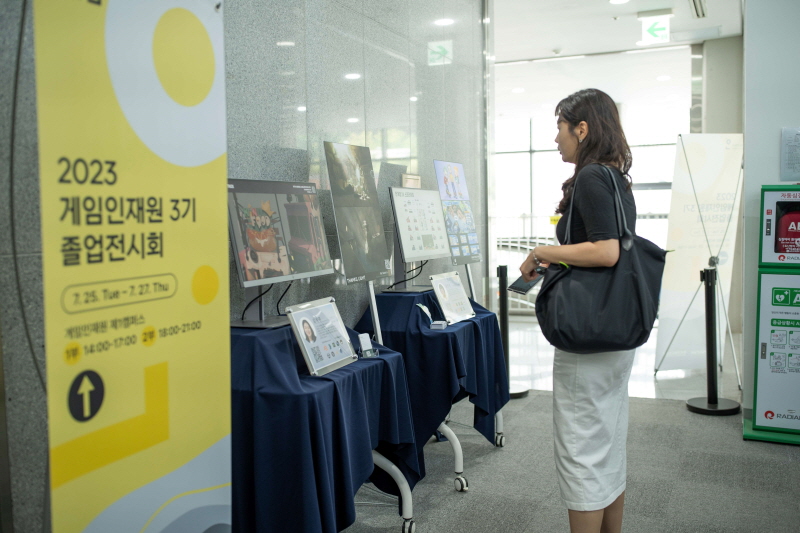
{"points": [[772, 75], [722, 98]]}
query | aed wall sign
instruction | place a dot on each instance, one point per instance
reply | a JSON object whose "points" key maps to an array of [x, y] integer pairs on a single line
{"points": [[131, 112]]}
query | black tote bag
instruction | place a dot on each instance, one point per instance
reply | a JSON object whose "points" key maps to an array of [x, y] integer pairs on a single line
{"points": [[603, 309]]}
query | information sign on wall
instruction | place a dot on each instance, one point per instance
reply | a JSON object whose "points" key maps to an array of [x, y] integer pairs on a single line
{"points": [[776, 403], [132, 159]]}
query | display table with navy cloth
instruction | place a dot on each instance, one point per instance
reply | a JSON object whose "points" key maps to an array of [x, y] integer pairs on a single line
{"points": [[444, 366], [302, 445]]}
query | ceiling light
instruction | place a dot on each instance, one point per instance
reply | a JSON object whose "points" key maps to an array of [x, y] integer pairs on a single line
{"points": [[444, 22], [663, 77], [413, 98], [517, 90], [353, 76], [352, 120], [697, 56], [301, 108], [617, 2], [285, 43]]}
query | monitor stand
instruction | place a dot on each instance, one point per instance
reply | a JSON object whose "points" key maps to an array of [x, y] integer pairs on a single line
{"points": [[268, 322]]}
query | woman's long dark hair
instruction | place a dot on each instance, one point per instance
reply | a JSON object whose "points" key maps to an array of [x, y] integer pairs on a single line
{"points": [[605, 142]]}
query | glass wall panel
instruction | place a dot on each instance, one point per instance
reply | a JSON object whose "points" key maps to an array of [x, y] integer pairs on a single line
{"points": [[512, 135], [653, 164], [549, 173], [512, 193]]}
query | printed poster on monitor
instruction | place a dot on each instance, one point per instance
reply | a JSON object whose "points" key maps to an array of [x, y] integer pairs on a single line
{"points": [[462, 234], [132, 161], [358, 214]]}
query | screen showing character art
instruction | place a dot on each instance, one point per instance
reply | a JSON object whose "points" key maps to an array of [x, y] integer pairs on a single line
{"points": [[276, 231]]}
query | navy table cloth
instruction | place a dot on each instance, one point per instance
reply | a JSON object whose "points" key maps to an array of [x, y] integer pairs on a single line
{"points": [[302, 445], [444, 366]]}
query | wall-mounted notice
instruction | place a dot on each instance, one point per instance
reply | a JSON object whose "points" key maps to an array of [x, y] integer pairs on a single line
{"points": [[420, 225], [462, 233], [790, 154], [776, 404], [132, 156]]}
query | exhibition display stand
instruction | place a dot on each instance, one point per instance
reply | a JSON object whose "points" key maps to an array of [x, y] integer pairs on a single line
{"points": [[303, 445], [444, 366]]}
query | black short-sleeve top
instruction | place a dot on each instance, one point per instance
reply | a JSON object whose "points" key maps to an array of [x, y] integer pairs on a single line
{"points": [[593, 217]]}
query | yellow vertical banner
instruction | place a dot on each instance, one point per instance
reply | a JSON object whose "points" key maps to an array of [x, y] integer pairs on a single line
{"points": [[132, 160]]}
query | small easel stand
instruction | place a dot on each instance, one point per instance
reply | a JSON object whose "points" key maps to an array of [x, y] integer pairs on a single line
{"points": [[407, 506], [712, 404]]}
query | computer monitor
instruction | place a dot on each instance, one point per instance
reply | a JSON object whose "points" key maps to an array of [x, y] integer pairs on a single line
{"points": [[276, 231], [357, 212], [420, 224], [462, 233]]}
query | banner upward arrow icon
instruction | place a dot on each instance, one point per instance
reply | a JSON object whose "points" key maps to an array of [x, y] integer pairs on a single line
{"points": [[85, 390]]}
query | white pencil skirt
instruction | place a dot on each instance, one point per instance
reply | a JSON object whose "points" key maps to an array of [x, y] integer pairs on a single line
{"points": [[590, 426]]}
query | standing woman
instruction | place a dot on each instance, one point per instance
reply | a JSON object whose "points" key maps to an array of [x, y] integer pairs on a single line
{"points": [[590, 392]]}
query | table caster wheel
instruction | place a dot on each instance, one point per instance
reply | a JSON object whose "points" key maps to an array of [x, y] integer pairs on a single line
{"points": [[499, 440], [461, 484], [409, 526]]}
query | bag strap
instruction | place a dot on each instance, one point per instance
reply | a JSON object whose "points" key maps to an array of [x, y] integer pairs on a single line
{"points": [[625, 234]]}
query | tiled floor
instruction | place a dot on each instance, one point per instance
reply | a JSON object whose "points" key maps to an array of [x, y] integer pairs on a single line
{"points": [[531, 367]]}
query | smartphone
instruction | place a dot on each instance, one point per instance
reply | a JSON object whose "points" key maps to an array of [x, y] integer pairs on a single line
{"points": [[523, 287]]}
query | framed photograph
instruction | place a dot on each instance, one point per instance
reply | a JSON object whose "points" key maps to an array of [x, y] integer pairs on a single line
{"points": [[320, 332], [451, 296]]}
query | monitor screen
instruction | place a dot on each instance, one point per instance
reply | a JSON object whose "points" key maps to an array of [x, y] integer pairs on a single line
{"points": [[420, 224], [276, 231], [357, 211], [462, 233]]}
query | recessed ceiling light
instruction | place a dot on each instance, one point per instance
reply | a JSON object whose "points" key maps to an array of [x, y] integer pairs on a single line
{"points": [[352, 120], [444, 22], [353, 76], [616, 2], [517, 90], [663, 77], [413, 98], [301, 108], [285, 43]]}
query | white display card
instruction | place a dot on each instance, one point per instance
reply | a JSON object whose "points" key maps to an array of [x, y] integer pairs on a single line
{"points": [[451, 296], [420, 224], [321, 334]]}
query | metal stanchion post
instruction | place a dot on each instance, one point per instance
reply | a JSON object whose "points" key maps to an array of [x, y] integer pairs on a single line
{"points": [[502, 274], [712, 404]]}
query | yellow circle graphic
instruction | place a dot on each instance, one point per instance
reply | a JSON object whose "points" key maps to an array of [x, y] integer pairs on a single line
{"points": [[149, 336], [73, 353], [205, 285], [183, 57]]}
